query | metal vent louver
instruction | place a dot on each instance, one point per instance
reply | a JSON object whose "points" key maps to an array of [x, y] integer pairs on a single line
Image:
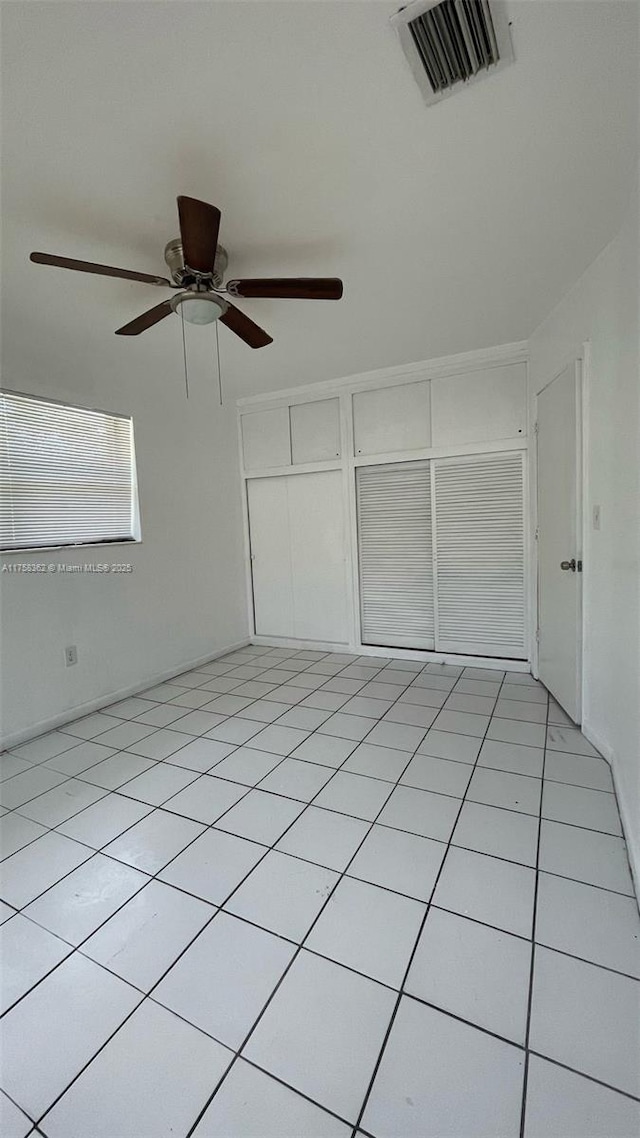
{"points": [[453, 42]]}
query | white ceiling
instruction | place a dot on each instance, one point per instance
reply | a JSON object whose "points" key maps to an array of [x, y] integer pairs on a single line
{"points": [[454, 227]]}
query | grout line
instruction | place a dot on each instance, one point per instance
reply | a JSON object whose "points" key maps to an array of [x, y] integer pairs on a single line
{"points": [[525, 1079], [283, 1083], [583, 1075], [462, 1019], [22, 1110], [584, 960]]}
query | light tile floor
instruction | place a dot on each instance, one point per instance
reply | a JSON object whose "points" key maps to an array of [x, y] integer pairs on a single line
{"points": [[294, 894]]}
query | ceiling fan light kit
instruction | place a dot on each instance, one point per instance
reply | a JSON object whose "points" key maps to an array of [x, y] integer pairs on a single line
{"points": [[197, 264], [199, 307]]}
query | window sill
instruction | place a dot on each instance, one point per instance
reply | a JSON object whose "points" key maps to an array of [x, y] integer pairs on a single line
{"points": [[72, 548]]}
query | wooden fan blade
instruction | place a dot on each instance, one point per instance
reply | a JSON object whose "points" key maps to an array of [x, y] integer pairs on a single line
{"points": [[199, 226], [245, 328], [147, 320], [100, 270], [295, 288]]}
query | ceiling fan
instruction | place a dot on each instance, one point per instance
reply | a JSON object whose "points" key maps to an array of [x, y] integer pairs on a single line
{"points": [[197, 264]]}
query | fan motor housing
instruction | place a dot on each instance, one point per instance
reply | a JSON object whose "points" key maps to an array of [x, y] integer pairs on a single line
{"points": [[182, 276]]}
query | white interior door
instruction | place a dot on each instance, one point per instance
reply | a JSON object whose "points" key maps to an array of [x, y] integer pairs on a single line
{"points": [[298, 563], [318, 564], [559, 539], [270, 556]]}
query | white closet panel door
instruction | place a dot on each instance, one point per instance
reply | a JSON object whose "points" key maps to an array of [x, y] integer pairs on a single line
{"points": [[265, 439], [480, 555], [389, 419], [396, 567], [270, 556], [317, 544], [479, 407], [315, 430]]}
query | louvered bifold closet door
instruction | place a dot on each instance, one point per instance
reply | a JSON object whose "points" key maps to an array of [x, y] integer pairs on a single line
{"points": [[395, 554], [480, 555]]}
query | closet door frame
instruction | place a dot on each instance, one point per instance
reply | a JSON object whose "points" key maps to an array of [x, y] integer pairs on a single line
{"points": [[347, 464]]}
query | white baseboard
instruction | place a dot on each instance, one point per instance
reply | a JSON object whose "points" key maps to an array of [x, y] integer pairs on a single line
{"points": [[428, 657], [289, 642], [82, 709], [424, 656], [633, 853], [599, 744]]}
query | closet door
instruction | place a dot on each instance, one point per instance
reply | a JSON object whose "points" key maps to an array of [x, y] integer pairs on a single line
{"points": [[317, 555], [270, 559], [296, 525], [480, 555], [395, 555]]}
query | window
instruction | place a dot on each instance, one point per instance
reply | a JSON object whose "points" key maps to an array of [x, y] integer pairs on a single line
{"points": [[67, 475]]}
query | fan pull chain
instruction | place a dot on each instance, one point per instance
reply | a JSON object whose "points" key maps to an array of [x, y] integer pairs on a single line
{"points": [[184, 354], [218, 355]]}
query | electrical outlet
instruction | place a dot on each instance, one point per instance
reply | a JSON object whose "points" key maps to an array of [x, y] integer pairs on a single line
{"points": [[71, 655], [596, 517]]}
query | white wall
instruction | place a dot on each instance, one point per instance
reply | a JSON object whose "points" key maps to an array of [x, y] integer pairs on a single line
{"points": [[602, 309], [185, 598]]}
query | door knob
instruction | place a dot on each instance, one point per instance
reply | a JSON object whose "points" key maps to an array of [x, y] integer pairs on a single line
{"points": [[569, 565]]}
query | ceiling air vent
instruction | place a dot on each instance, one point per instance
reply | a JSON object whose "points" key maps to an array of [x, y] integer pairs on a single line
{"points": [[453, 42]]}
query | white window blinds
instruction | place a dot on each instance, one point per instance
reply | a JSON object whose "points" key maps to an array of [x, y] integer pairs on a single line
{"points": [[67, 475], [480, 554], [396, 566]]}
